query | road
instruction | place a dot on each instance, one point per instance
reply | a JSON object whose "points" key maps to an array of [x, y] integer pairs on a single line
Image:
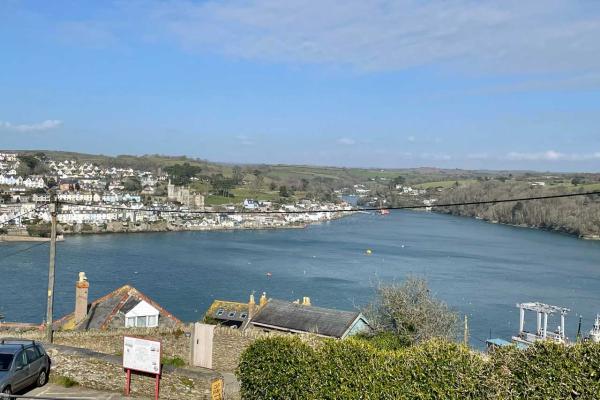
{"points": [[76, 392]]}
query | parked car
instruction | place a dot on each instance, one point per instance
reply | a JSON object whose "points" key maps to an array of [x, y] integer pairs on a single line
{"points": [[23, 363]]}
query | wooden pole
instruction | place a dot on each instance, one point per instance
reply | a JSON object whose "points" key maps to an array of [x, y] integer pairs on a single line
{"points": [[466, 332], [51, 268], [127, 382]]}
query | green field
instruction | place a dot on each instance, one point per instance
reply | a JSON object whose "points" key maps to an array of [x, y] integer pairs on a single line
{"points": [[444, 184]]}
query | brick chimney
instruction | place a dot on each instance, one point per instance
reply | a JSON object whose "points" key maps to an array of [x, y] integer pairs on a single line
{"points": [[81, 298]]}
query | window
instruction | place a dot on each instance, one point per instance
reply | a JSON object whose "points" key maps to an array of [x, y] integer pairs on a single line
{"points": [[21, 360], [32, 354], [152, 321], [220, 312], [140, 322], [231, 314], [130, 322], [243, 315], [40, 350], [5, 360]]}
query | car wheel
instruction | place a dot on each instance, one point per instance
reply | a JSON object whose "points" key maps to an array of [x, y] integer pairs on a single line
{"points": [[8, 391], [42, 378]]}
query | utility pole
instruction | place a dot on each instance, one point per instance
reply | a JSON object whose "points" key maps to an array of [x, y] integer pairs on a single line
{"points": [[466, 333], [49, 331]]}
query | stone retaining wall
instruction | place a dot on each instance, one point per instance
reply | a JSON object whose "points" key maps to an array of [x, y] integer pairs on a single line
{"points": [[228, 344], [104, 372]]}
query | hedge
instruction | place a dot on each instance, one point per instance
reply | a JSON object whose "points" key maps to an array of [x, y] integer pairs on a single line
{"points": [[288, 368]]}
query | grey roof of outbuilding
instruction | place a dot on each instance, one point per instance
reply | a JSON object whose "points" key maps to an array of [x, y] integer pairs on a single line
{"points": [[103, 310], [294, 317]]}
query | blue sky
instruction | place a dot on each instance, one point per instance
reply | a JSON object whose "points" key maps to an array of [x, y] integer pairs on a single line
{"points": [[455, 83]]}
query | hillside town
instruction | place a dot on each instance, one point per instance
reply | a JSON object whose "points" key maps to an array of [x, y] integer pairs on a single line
{"points": [[96, 199]]}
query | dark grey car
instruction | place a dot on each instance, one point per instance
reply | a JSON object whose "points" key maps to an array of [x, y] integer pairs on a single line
{"points": [[23, 363]]}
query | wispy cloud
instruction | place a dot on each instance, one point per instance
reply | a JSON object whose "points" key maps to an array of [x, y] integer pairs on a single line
{"points": [[508, 36], [552, 155], [346, 141], [35, 127], [244, 140], [411, 139]]}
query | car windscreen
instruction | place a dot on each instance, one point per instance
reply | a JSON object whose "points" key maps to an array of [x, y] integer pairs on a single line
{"points": [[5, 360]]}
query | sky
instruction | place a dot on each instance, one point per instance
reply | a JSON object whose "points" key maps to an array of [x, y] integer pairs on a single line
{"points": [[359, 83]]}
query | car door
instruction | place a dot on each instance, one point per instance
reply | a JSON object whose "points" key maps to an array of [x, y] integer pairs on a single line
{"points": [[20, 375], [35, 363]]}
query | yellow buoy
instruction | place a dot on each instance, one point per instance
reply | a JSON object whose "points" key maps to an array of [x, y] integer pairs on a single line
{"points": [[369, 251]]}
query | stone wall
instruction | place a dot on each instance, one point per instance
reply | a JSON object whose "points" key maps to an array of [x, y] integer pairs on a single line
{"points": [[104, 372], [228, 344], [175, 341]]}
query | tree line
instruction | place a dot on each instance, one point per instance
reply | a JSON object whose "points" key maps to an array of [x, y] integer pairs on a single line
{"points": [[574, 215]]}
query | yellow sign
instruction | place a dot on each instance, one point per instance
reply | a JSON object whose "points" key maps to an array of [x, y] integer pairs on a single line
{"points": [[216, 389]]}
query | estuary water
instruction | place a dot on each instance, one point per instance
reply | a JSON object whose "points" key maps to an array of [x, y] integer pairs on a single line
{"points": [[479, 269]]}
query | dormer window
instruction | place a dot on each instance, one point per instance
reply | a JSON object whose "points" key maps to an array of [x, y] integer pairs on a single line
{"points": [[143, 315]]}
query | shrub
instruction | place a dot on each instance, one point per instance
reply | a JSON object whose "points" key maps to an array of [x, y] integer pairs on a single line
{"points": [[277, 368], [63, 381], [173, 361], [288, 368]]}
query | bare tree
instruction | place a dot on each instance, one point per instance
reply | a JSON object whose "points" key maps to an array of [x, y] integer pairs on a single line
{"points": [[411, 311]]}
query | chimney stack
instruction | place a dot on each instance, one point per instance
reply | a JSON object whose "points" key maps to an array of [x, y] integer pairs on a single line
{"points": [[251, 306], [81, 298], [263, 299]]}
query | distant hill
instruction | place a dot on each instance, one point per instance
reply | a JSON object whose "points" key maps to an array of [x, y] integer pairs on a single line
{"points": [[288, 174]]}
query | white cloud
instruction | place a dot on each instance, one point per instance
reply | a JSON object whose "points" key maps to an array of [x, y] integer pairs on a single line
{"points": [[478, 156], [346, 141], [507, 36], [436, 156], [552, 155], [36, 127], [411, 139], [244, 140]]}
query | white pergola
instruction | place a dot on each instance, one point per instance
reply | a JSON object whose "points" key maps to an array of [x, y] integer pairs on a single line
{"points": [[542, 310]]}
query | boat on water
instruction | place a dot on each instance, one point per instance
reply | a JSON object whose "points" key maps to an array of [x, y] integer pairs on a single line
{"points": [[384, 212]]}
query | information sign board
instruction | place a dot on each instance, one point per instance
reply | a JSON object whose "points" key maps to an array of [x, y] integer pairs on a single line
{"points": [[141, 355]]}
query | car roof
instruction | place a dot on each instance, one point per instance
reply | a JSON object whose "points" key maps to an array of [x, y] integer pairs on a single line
{"points": [[12, 346]]}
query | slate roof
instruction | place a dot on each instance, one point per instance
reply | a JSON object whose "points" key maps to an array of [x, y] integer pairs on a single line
{"points": [[228, 307], [102, 311], [283, 315]]}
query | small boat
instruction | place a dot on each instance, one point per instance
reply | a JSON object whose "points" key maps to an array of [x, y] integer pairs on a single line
{"points": [[384, 212]]}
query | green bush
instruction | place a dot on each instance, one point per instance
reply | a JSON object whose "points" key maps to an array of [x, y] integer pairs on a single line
{"points": [[287, 368], [278, 368], [173, 361], [385, 340], [63, 381]]}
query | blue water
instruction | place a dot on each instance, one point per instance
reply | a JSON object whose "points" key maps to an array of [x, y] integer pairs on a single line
{"points": [[478, 268]]}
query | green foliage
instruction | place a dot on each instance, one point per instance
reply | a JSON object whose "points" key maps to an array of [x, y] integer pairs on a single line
{"points": [[385, 340], [278, 368], [410, 311], [63, 381], [173, 361], [287, 368], [182, 174], [132, 184], [39, 230]]}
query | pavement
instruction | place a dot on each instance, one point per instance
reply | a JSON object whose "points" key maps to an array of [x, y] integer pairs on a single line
{"points": [[75, 392]]}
